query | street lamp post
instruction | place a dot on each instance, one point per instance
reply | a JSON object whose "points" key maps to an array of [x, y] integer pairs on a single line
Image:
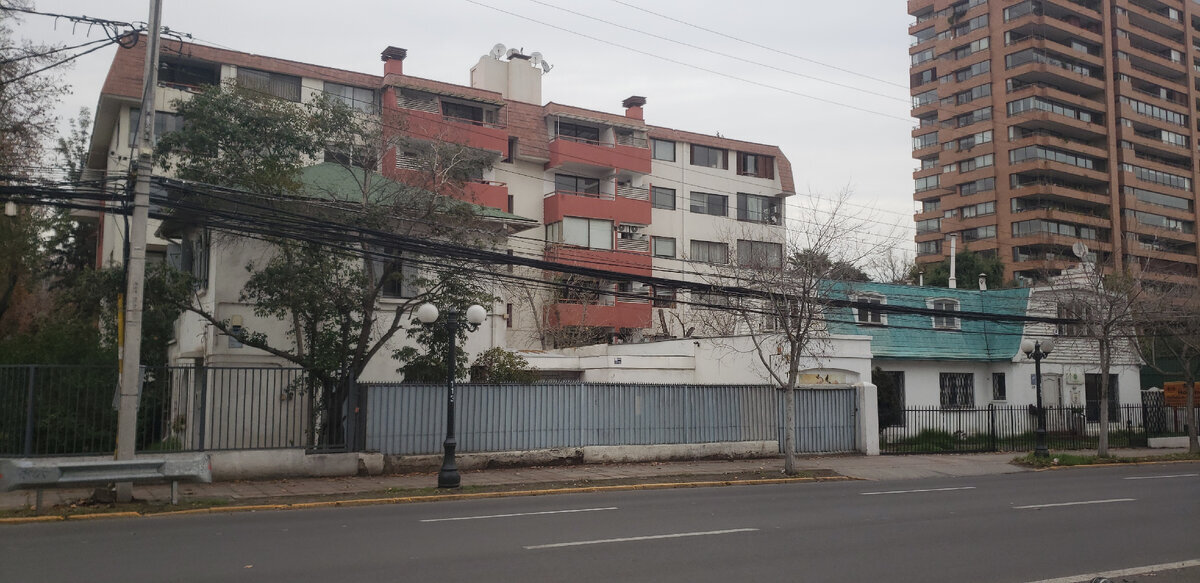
{"points": [[428, 313], [1037, 350]]}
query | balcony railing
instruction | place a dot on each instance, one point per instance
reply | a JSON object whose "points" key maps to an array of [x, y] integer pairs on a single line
{"points": [[632, 141], [579, 140], [633, 192], [596, 195]]}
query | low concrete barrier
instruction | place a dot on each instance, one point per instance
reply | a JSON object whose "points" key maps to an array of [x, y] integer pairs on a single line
{"points": [[1178, 441]]}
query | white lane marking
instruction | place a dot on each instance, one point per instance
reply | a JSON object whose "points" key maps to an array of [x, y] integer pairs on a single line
{"points": [[637, 538], [518, 514], [1161, 477], [912, 491], [1124, 572], [1109, 501]]}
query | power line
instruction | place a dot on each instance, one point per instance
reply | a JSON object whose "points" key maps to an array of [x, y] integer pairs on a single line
{"points": [[722, 54], [691, 66], [758, 45]]}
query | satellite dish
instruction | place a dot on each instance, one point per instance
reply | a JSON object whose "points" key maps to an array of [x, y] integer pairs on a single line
{"points": [[512, 52], [497, 51], [536, 59], [1080, 250]]}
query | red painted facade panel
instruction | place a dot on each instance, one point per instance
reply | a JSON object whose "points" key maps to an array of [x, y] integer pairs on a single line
{"points": [[617, 209], [618, 315], [619, 157], [434, 126], [630, 262]]}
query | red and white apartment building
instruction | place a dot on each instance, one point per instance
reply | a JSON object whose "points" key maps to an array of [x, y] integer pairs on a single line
{"points": [[602, 190]]}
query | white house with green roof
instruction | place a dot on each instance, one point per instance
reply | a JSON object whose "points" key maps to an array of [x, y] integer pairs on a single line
{"points": [[940, 361]]}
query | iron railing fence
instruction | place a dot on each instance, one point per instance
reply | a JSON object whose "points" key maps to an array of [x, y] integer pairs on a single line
{"points": [[1012, 428], [70, 410]]}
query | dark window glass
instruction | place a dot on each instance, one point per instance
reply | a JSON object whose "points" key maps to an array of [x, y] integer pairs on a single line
{"points": [[663, 198], [710, 204], [710, 157], [578, 133], [583, 184], [274, 84]]}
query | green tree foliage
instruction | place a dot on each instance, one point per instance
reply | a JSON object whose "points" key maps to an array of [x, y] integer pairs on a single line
{"points": [[969, 265], [426, 362], [812, 260], [497, 365]]}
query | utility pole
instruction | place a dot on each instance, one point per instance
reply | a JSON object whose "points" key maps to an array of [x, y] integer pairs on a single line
{"points": [[135, 268]]}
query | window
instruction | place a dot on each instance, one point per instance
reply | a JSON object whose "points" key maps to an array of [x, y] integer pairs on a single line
{"points": [[926, 98], [591, 233], [921, 57], [709, 252], [578, 133], [978, 210], [664, 297], [984, 232], [927, 183], [397, 278], [759, 254], [957, 390], [1158, 177], [662, 198], [945, 321], [180, 72], [663, 246], [663, 150], [579, 184], [193, 257], [710, 204], [462, 111], [999, 387], [354, 97], [1091, 391], [164, 123], [928, 206], [925, 140], [758, 209], [929, 248], [755, 165], [867, 315], [981, 185], [273, 84], [976, 163], [929, 226], [710, 157]]}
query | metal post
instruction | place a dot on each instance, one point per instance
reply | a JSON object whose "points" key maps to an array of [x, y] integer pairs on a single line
{"points": [[30, 419], [135, 269], [448, 477], [992, 426], [201, 377], [1039, 449]]}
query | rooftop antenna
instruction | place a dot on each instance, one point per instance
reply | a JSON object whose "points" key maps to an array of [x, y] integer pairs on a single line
{"points": [[498, 51], [539, 61]]}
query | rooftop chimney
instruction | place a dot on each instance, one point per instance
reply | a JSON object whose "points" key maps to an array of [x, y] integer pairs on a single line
{"points": [[953, 283], [983, 282], [633, 106], [393, 60]]}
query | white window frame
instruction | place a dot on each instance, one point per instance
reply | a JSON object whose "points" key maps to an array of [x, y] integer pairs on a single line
{"points": [[945, 322], [874, 299]]}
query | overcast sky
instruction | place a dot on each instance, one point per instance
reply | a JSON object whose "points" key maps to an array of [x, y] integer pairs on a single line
{"points": [[834, 136]]}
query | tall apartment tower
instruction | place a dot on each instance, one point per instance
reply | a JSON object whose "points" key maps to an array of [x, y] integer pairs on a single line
{"points": [[1046, 123]]}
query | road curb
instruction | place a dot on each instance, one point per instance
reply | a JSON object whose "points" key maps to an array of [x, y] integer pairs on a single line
{"points": [[416, 499], [1115, 464]]}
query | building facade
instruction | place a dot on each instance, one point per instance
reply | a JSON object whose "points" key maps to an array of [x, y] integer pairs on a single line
{"points": [[1047, 123], [603, 190]]}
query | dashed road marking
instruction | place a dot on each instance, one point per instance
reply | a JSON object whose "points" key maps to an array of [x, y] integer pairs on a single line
{"points": [[638, 538], [515, 514]]}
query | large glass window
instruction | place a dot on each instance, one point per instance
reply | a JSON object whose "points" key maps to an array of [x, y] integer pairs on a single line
{"points": [[710, 204], [663, 246], [662, 198], [358, 98], [591, 233], [710, 157], [274, 84], [663, 150], [760, 254], [164, 123], [580, 184], [709, 252], [758, 209], [755, 165], [578, 132]]}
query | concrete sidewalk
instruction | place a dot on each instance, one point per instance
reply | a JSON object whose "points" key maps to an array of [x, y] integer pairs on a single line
{"points": [[892, 467]]}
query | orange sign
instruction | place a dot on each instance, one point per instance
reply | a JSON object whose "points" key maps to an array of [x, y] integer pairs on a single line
{"points": [[1175, 393]]}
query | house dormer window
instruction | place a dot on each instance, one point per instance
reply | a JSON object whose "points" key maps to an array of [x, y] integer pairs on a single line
{"points": [[868, 315], [944, 321]]}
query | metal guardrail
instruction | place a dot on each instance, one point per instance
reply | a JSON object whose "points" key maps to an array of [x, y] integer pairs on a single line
{"points": [[40, 474]]}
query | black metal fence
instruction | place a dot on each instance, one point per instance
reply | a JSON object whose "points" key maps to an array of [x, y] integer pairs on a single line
{"points": [[70, 410], [1011, 428]]}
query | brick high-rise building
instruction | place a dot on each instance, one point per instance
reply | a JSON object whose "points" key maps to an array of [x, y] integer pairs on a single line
{"points": [[1046, 123]]}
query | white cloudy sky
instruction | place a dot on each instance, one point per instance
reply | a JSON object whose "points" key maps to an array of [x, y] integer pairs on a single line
{"points": [[859, 139]]}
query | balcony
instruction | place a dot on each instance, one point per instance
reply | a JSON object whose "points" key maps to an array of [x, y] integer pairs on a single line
{"points": [[629, 205], [433, 126], [621, 313], [570, 153], [488, 193], [619, 261]]}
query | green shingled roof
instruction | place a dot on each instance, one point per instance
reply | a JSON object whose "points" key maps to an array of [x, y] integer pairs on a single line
{"points": [[324, 179], [913, 337]]}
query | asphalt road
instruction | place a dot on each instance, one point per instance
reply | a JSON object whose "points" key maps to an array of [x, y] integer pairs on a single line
{"points": [[1004, 529]]}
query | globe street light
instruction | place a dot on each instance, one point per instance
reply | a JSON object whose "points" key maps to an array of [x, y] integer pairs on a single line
{"points": [[428, 313], [1037, 350]]}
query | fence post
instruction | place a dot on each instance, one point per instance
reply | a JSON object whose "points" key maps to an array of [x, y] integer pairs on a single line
{"points": [[29, 415], [992, 426], [352, 410], [201, 382]]}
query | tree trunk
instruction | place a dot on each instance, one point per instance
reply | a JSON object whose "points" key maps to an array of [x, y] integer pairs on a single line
{"points": [[789, 430], [1190, 410]]}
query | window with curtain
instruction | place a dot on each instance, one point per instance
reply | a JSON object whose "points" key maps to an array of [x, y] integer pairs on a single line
{"points": [[274, 84]]}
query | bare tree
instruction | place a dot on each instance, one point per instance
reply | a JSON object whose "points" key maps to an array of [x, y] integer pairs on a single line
{"points": [[892, 266], [1102, 303], [793, 292], [1167, 322]]}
